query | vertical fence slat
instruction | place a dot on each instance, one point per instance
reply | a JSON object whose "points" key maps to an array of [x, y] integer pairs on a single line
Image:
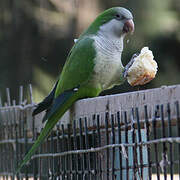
{"points": [[0, 100], [164, 155], [88, 160], [20, 95], [148, 138], [51, 143], [155, 145], [8, 96], [170, 144], [120, 149], [76, 164], [82, 164], [126, 141], [26, 149], [113, 149], [40, 164], [31, 94], [70, 157], [99, 145], [107, 142], [94, 145], [135, 161], [178, 131], [34, 161], [139, 140], [16, 148], [58, 172], [63, 150]]}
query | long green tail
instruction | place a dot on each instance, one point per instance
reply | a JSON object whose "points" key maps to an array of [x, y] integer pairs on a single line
{"points": [[61, 105]]}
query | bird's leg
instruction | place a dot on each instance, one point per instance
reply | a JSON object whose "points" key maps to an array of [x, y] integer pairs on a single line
{"points": [[125, 73]]}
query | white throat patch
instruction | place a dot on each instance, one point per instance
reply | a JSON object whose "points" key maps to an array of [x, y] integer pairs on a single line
{"points": [[112, 29], [108, 66]]}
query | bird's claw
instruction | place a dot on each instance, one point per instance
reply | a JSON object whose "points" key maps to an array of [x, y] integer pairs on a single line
{"points": [[125, 73]]}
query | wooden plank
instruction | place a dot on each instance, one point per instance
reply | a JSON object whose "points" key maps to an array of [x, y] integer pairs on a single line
{"points": [[124, 102], [100, 105]]}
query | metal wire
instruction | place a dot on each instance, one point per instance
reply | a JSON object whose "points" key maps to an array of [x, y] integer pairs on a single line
{"points": [[110, 146]]}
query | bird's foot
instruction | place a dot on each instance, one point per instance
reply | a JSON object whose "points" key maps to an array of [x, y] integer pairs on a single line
{"points": [[125, 73]]}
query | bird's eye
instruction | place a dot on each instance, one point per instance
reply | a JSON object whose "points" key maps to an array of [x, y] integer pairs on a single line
{"points": [[119, 17]]}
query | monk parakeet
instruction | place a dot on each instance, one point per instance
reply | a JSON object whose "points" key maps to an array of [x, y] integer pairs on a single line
{"points": [[92, 66]]}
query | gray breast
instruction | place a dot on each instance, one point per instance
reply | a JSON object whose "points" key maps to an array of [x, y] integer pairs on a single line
{"points": [[108, 66]]}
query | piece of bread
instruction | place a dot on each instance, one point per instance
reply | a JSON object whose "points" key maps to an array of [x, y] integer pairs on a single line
{"points": [[143, 69]]}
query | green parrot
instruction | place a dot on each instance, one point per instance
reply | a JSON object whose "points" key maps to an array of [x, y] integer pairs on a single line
{"points": [[92, 66]]}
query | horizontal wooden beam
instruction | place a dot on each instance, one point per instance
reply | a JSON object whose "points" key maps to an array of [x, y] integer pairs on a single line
{"points": [[92, 107]]}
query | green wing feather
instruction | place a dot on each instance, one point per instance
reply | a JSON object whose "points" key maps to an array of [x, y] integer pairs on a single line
{"points": [[76, 72], [78, 67]]}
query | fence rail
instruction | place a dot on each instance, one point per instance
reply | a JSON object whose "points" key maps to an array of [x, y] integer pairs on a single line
{"points": [[124, 136]]}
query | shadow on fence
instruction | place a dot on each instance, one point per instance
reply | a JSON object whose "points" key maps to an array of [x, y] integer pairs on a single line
{"points": [[126, 136]]}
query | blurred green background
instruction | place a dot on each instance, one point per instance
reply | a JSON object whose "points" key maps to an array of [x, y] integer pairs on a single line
{"points": [[36, 36]]}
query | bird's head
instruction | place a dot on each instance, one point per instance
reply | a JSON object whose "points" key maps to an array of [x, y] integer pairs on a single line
{"points": [[116, 21]]}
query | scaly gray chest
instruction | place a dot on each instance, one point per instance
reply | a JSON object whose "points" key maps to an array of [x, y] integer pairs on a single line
{"points": [[108, 66]]}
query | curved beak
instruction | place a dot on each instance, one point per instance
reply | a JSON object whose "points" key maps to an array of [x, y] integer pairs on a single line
{"points": [[128, 26]]}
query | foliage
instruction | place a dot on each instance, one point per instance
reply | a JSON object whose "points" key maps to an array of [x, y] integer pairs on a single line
{"points": [[36, 36]]}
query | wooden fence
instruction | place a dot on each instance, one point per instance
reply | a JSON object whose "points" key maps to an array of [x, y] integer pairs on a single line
{"points": [[124, 136]]}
